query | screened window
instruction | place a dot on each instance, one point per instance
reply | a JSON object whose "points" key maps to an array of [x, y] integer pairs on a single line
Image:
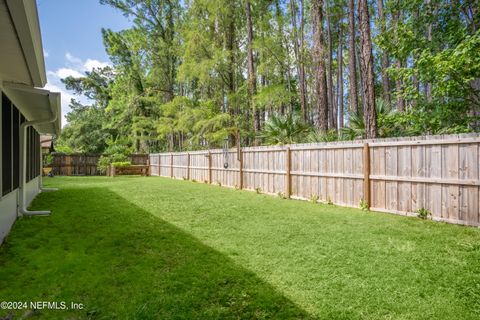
{"points": [[6, 145], [33, 154], [15, 148], [11, 121]]}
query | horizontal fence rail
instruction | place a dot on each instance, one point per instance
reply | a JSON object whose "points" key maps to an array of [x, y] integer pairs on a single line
{"points": [[401, 176], [85, 164]]}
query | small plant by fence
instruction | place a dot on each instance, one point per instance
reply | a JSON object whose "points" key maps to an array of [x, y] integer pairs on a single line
{"points": [[438, 174], [83, 164]]}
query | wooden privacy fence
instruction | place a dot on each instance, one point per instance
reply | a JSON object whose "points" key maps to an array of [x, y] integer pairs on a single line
{"points": [[401, 176], [84, 164]]}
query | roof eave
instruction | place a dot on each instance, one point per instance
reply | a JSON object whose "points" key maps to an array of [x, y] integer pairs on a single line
{"points": [[25, 18]]}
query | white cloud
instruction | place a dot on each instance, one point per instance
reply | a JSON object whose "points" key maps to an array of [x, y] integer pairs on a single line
{"points": [[72, 59], [66, 72], [90, 64], [83, 66], [45, 53], [74, 67]]}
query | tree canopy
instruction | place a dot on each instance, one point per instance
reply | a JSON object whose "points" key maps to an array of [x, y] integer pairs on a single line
{"points": [[189, 74]]}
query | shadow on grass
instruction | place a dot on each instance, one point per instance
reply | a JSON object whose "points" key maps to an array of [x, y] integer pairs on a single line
{"points": [[119, 261]]}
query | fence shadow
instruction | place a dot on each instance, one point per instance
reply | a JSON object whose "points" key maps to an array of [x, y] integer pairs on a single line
{"points": [[119, 261]]}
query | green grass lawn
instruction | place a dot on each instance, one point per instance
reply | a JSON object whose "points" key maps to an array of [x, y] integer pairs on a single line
{"points": [[155, 248]]}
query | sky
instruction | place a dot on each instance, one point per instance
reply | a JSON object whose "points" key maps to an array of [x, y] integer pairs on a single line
{"points": [[72, 40]]}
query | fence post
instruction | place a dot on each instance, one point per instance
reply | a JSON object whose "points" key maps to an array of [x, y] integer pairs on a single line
{"points": [[171, 165], [366, 174], [85, 163], [159, 165], [188, 165], [240, 167], [209, 167], [288, 156]]}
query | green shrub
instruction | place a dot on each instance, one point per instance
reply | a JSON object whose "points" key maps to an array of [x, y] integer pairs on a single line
{"points": [[105, 160], [120, 164], [314, 198], [47, 160], [364, 205], [423, 213]]}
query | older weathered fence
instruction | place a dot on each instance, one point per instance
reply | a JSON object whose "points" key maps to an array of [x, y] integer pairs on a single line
{"points": [[438, 173], [84, 164]]}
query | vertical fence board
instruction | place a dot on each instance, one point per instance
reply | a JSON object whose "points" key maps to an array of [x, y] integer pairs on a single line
{"points": [[404, 156], [440, 174], [468, 169], [391, 187]]}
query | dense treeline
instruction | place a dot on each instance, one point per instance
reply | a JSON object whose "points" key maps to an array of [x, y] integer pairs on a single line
{"points": [[192, 74]]}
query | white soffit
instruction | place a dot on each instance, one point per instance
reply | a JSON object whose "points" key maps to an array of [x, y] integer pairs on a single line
{"points": [[21, 57], [36, 104]]}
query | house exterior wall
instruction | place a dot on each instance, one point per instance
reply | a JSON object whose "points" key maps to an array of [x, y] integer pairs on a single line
{"points": [[9, 202], [22, 71], [32, 190], [9, 206], [8, 213]]}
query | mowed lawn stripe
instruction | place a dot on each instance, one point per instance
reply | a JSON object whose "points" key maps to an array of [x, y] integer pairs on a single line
{"points": [[279, 258]]}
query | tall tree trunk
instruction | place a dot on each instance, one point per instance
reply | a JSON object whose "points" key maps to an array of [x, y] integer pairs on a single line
{"points": [[340, 75], [319, 65], [230, 41], [360, 76], [397, 16], [230, 48], [331, 105], [298, 51], [252, 81], [416, 84], [366, 62], [398, 88], [428, 85], [352, 67], [302, 56], [385, 63], [284, 65]]}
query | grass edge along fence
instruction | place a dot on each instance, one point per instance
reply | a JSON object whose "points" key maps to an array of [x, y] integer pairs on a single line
{"points": [[85, 164], [436, 175]]}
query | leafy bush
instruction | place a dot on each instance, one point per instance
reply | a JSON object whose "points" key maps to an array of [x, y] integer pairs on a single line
{"points": [[287, 129], [47, 160], [105, 161], [120, 164], [423, 213], [363, 205]]}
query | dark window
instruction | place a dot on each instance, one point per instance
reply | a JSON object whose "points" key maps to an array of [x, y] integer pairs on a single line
{"points": [[16, 148], [33, 154], [6, 145], [38, 158], [28, 148], [11, 121]]}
